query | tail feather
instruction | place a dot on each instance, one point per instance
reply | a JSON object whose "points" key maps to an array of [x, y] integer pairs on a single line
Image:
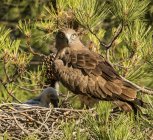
{"points": [[141, 103], [134, 105], [123, 105]]}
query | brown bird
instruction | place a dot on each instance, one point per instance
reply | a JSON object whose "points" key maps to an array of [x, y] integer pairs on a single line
{"points": [[88, 74]]}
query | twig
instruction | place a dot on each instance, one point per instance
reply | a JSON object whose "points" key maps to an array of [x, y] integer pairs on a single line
{"points": [[47, 116], [44, 108], [31, 50], [117, 33], [107, 55], [95, 35], [27, 89], [25, 131], [9, 80], [4, 85], [41, 121], [74, 110], [30, 118]]}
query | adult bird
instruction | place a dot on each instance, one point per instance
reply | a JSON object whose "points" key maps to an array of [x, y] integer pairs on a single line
{"points": [[88, 74], [48, 95]]}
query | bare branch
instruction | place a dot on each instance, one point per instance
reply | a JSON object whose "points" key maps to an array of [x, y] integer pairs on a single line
{"points": [[107, 55], [117, 33], [24, 130], [31, 50], [4, 85], [145, 90], [95, 35], [8, 81]]}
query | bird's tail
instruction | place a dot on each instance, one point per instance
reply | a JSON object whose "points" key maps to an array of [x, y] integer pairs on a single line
{"points": [[141, 103], [135, 105]]}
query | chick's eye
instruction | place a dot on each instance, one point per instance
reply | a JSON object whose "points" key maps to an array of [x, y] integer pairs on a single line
{"points": [[61, 35], [73, 36]]}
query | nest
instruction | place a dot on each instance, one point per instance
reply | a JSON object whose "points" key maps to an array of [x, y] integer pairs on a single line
{"points": [[20, 120]]}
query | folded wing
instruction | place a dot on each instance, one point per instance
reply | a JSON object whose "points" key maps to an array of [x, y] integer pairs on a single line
{"points": [[103, 81]]}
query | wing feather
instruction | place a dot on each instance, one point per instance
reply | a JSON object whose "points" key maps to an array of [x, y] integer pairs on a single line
{"points": [[87, 60], [103, 80]]}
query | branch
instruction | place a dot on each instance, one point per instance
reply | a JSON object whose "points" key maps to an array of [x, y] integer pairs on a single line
{"points": [[144, 90], [27, 89], [4, 85], [9, 80], [31, 50], [14, 77], [24, 130], [94, 34], [107, 55], [117, 33]]}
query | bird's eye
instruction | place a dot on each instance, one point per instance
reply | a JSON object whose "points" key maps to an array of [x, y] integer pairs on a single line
{"points": [[61, 35], [73, 36]]}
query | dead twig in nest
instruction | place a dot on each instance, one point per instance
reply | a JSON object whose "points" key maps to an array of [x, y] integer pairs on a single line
{"points": [[19, 120]]}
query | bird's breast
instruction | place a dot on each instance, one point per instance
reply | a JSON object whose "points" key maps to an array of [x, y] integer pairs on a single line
{"points": [[76, 81], [69, 76]]}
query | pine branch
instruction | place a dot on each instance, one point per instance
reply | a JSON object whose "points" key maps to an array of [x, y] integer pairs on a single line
{"points": [[31, 50], [144, 90], [10, 93], [117, 33]]}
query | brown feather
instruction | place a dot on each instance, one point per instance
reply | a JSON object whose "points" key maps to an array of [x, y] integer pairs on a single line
{"points": [[80, 63], [123, 105], [97, 71], [88, 73], [104, 89], [113, 87], [131, 93], [83, 84], [90, 86]]}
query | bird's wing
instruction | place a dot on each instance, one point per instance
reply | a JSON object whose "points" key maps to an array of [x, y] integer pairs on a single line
{"points": [[92, 63], [32, 102], [102, 78]]}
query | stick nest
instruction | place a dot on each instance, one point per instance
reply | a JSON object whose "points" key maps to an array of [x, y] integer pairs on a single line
{"points": [[21, 120]]}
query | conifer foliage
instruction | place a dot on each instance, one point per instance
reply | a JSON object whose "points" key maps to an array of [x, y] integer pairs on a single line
{"points": [[120, 30]]}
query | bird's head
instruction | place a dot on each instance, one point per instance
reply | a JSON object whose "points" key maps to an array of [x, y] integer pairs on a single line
{"points": [[67, 38], [49, 95]]}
